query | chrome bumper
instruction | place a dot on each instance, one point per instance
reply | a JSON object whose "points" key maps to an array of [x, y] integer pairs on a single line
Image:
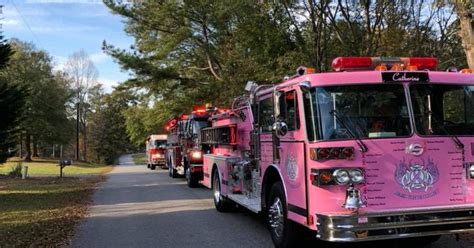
{"points": [[365, 227]]}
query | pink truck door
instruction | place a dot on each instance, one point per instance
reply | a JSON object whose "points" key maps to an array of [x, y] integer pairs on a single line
{"points": [[292, 158]]}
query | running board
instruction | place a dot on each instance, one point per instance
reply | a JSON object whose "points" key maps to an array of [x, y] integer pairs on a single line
{"points": [[253, 204]]}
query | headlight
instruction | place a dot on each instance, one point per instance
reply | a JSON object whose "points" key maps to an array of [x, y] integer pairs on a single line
{"points": [[471, 171], [356, 175], [156, 155], [341, 176], [196, 154]]}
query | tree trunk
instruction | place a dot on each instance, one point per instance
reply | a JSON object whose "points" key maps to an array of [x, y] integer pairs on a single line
{"points": [[466, 32], [35, 147], [85, 142], [77, 131], [21, 146], [28, 148]]}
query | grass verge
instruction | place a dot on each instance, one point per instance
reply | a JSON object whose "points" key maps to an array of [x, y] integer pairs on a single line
{"points": [[42, 211], [49, 167], [140, 158]]}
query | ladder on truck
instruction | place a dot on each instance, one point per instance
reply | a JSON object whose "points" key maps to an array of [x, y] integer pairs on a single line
{"points": [[223, 135]]}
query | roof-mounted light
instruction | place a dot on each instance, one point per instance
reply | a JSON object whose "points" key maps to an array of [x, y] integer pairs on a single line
{"points": [[466, 70], [171, 123], [200, 109], [371, 63], [302, 70]]}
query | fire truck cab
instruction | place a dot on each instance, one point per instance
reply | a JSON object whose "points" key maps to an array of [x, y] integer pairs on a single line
{"points": [[155, 150], [353, 155], [184, 156]]}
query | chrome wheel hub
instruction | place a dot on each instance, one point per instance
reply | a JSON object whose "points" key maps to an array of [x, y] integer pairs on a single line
{"points": [[276, 217], [217, 190]]}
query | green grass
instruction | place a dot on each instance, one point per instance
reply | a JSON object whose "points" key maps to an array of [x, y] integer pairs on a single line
{"points": [[140, 158], [42, 212], [48, 167]]}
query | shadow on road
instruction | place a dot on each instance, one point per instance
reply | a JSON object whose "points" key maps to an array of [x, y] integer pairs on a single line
{"points": [[138, 207]]}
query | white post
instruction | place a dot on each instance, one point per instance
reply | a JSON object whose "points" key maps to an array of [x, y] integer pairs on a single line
{"points": [[24, 171]]}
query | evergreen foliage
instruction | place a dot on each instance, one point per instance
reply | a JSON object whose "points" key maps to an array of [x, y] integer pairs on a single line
{"points": [[201, 51], [12, 100]]}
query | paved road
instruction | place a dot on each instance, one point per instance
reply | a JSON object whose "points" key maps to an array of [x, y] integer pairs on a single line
{"points": [[137, 207]]}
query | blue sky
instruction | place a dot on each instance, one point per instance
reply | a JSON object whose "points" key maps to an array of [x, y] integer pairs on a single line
{"points": [[62, 27]]}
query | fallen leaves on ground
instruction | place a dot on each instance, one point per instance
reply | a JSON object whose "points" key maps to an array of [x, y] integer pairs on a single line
{"points": [[42, 212]]}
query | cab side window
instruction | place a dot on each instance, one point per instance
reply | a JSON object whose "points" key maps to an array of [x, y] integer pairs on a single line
{"points": [[265, 115], [289, 110]]}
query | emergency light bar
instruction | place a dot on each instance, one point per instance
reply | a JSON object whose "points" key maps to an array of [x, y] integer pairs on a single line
{"points": [[384, 63], [171, 123], [199, 109]]}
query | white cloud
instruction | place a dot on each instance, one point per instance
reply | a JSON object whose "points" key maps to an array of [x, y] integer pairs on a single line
{"points": [[63, 29], [59, 62], [10, 23], [65, 1], [99, 57], [108, 83]]}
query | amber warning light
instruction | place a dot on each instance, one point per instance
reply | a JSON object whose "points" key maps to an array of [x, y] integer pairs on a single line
{"points": [[384, 63]]}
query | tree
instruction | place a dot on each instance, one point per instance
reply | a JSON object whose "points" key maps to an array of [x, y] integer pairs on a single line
{"points": [[12, 100], [107, 136], [83, 75], [465, 10], [194, 52], [44, 117]]}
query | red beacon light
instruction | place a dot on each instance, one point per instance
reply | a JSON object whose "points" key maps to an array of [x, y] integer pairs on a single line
{"points": [[171, 123], [199, 110], [393, 63]]}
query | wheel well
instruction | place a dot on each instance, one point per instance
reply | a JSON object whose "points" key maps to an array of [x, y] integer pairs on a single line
{"points": [[214, 168], [271, 176]]}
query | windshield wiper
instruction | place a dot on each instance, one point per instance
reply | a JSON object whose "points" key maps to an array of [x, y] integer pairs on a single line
{"points": [[431, 117], [363, 147], [455, 138]]}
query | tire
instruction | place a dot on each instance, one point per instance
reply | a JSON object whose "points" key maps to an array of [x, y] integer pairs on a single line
{"points": [[421, 241], [222, 203], [283, 231], [172, 172], [148, 166], [153, 167], [192, 179]]}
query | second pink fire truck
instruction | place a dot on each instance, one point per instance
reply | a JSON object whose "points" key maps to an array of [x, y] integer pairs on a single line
{"points": [[381, 148]]}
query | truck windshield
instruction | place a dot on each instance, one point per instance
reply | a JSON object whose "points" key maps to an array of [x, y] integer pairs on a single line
{"points": [[158, 143], [198, 125], [443, 109], [368, 111]]}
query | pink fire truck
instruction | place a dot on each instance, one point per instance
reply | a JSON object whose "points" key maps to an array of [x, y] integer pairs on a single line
{"points": [[382, 148]]}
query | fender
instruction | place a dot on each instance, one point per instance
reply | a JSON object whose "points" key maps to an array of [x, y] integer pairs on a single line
{"points": [[271, 167]]}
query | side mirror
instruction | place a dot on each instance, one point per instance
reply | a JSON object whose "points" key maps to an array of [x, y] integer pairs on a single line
{"points": [[280, 128], [305, 86]]}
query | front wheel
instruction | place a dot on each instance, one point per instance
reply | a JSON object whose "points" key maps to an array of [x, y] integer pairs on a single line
{"points": [[191, 178], [421, 241], [172, 172], [283, 231], [221, 202], [153, 166]]}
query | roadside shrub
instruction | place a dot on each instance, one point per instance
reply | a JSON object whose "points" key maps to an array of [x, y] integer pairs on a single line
{"points": [[16, 170]]}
